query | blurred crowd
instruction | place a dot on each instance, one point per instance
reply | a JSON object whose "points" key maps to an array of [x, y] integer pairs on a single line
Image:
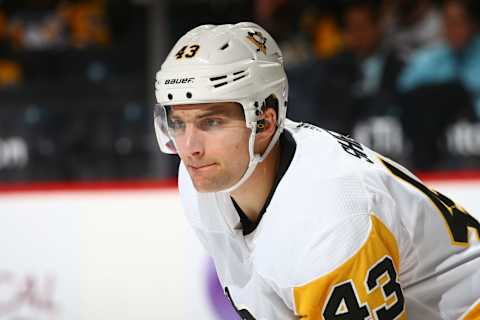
{"points": [[400, 76], [73, 93], [48, 25]]}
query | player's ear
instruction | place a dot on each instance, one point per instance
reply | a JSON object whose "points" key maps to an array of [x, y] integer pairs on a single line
{"points": [[266, 126]]}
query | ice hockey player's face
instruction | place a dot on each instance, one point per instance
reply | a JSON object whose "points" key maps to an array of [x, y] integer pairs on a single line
{"points": [[212, 141]]}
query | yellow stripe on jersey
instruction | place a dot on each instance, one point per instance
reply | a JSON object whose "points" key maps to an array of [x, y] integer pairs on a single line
{"points": [[473, 313], [363, 287]]}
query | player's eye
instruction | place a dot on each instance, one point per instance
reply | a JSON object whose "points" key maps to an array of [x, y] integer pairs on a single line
{"points": [[176, 125], [210, 123]]}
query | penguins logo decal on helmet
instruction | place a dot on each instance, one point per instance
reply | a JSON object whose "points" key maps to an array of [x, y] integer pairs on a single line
{"points": [[258, 40]]}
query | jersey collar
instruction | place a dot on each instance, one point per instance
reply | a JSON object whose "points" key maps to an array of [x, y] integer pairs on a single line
{"points": [[287, 152]]}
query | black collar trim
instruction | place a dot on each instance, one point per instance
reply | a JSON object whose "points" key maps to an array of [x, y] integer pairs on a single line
{"points": [[287, 152]]}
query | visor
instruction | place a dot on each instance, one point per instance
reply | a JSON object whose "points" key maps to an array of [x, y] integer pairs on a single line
{"points": [[160, 120]]}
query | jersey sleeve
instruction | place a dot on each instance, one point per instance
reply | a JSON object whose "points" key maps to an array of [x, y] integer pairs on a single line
{"points": [[363, 285]]}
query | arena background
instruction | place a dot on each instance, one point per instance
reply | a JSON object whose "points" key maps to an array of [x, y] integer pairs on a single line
{"points": [[91, 224]]}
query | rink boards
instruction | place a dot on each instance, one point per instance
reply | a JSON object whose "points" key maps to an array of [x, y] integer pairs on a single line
{"points": [[116, 253]]}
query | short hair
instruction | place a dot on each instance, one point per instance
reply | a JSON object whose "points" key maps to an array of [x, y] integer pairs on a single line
{"points": [[271, 102]]}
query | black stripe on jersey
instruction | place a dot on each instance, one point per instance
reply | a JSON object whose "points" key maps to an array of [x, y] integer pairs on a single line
{"points": [[458, 220], [243, 313]]}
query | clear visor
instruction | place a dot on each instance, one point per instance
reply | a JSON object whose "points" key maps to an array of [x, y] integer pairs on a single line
{"points": [[216, 120], [165, 140]]}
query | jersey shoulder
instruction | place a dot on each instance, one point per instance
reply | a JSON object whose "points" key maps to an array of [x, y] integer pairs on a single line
{"points": [[321, 210], [330, 153], [357, 279]]}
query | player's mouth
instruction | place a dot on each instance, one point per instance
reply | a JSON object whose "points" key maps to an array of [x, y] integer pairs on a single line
{"points": [[201, 168]]}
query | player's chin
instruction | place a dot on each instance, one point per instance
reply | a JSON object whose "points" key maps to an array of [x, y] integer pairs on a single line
{"points": [[205, 188], [204, 185]]}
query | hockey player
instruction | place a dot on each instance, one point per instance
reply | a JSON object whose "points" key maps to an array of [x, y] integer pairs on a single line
{"points": [[302, 222]]}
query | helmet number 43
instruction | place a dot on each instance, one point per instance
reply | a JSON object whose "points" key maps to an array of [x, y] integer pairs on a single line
{"points": [[187, 51]]}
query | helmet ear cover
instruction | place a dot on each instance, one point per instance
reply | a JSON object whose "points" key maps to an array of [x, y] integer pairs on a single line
{"points": [[270, 102]]}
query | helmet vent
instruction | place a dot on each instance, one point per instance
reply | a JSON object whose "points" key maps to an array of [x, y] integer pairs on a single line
{"points": [[238, 78], [228, 78], [218, 78], [225, 46], [220, 84], [238, 72]]}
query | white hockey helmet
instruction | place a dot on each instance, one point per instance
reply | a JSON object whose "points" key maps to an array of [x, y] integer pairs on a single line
{"points": [[225, 63]]}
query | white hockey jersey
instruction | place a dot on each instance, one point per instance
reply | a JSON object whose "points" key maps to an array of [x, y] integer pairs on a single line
{"points": [[348, 234]]}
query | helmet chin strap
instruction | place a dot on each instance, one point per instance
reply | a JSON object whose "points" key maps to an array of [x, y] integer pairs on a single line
{"points": [[255, 159]]}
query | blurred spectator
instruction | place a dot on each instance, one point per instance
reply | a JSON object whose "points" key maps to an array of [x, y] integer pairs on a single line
{"points": [[37, 32], [327, 37], [378, 65], [78, 24], [10, 71], [37, 28], [284, 20], [361, 80], [315, 23], [411, 25], [265, 10], [4, 41], [87, 23], [441, 84], [3, 26], [458, 58]]}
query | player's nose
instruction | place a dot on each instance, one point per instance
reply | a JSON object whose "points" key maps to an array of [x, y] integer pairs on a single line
{"points": [[193, 141]]}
